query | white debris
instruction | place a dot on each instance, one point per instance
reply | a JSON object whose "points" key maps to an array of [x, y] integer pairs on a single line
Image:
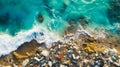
{"points": [[119, 60], [50, 63], [77, 57], [96, 54], [36, 58], [114, 50], [14, 65], [73, 55], [59, 46], [45, 53], [24, 63], [62, 65]]}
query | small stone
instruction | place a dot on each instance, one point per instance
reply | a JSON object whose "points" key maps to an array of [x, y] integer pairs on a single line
{"points": [[61, 65], [117, 64], [76, 47], [44, 65], [90, 39], [67, 62], [50, 63], [70, 51], [73, 55], [114, 50], [36, 58], [79, 52], [77, 57], [74, 61], [45, 53], [96, 54], [14, 65], [24, 63], [114, 55], [41, 58], [59, 46], [119, 61]]}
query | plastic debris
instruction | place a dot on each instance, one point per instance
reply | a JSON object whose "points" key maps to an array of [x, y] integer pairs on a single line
{"points": [[73, 54], [59, 56]]}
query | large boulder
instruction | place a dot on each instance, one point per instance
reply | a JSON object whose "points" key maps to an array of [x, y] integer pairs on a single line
{"points": [[25, 50], [93, 47]]}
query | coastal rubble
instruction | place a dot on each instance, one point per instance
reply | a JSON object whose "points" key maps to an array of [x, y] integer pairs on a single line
{"points": [[83, 51], [23, 51]]}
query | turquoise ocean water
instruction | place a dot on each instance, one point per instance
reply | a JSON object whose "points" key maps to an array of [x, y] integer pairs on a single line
{"points": [[19, 18]]}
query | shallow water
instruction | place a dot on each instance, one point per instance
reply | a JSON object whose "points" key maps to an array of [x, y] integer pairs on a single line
{"points": [[19, 19]]}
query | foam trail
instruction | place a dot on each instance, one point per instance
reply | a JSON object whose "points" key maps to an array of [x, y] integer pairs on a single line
{"points": [[87, 2], [9, 43]]}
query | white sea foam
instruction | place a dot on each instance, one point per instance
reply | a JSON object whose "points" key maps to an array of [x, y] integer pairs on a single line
{"points": [[40, 33], [87, 2], [9, 43]]}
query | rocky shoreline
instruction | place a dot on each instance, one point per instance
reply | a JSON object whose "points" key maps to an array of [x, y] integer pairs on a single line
{"points": [[80, 51]]}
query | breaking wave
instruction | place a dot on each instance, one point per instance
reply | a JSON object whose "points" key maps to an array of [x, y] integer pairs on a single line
{"points": [[45, 20]]}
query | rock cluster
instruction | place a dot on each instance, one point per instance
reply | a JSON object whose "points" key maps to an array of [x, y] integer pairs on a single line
{"points": [[78, 52], [73, 55], [26, 50]]}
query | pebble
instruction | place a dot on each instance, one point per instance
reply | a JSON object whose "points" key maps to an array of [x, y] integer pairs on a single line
{"points": [[14, 65], [25, 62], [77, 57], [61, 65], [45, 53], [37, 59], [50, 63], [71, 56]]}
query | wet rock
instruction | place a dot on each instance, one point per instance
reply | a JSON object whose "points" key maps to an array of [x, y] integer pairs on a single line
{"points": [[25, 50], [72, 22], [40, 18], [72, 27], [6, 60], [19, 55], [68, 54], [89, 48], [90, 39], [93, 47], [83, 21]]}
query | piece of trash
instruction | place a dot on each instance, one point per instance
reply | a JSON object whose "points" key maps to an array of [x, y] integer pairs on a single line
{"points": [[59, 56]]}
